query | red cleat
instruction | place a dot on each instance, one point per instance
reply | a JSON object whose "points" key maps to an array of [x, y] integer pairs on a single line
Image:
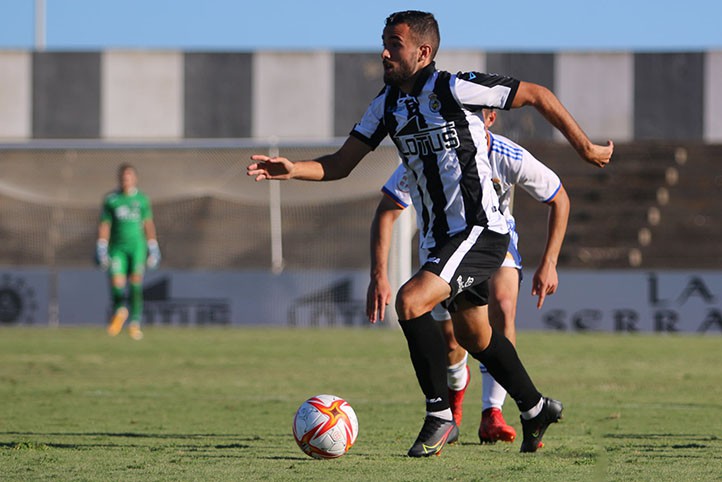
{"points": [[493, 427], [456, 399]]}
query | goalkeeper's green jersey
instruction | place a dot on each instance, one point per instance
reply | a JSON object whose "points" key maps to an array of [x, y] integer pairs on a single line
{"points": [[126, 214]]}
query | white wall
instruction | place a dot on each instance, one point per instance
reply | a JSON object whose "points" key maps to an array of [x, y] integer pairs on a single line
{"points": [[713, 98], [15, 95], [461, 61], [598, 90], [293, 95], [142, 95]]}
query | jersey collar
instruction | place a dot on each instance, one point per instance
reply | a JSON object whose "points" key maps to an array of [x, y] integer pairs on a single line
{"points": [[424, 75]]}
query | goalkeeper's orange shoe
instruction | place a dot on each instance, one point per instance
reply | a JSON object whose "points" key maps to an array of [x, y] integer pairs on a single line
{"points": [[134, 331], [118, 320], [494, 428]]}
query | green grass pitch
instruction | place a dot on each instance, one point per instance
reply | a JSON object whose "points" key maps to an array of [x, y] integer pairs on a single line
{"points": [[217, 404]]}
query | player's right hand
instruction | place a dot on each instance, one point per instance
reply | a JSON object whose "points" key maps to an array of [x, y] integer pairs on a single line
{"points": [[378, 297], [101, 254], [278, 168]]}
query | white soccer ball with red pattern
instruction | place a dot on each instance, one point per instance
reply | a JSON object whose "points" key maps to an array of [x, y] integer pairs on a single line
{"points": [[325, 427]]}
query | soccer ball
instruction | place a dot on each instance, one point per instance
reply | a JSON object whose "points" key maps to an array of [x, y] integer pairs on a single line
{"points": [[325, 427]]}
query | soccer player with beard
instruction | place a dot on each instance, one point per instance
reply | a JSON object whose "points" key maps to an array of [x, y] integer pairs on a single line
{"points": [[511, 165], [431, 117]]}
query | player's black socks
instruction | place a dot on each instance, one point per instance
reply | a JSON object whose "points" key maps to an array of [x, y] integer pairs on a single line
{"points": [[427, 349], [502, 362]]}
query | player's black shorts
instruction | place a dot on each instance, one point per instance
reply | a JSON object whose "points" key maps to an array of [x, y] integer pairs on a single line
{"points": [[467, 261]]}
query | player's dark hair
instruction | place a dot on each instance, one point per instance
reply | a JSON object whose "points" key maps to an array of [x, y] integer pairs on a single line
{"points": [[423, 26], [125, 166]]}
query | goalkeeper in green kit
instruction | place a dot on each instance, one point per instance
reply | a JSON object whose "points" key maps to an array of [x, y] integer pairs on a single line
{"points": [[126, 245]]}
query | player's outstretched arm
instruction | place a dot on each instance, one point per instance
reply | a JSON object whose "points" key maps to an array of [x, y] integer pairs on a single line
{"points": [[378, 295], [546, 279], [326, 168], [553, 111]]}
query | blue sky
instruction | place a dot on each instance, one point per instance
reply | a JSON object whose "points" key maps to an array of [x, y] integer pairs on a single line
{"points": [[526, 25]]}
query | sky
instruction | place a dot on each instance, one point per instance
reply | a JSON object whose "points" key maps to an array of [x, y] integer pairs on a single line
{"points": [[340, 25]]}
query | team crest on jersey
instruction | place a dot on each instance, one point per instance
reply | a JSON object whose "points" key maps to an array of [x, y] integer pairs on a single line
{"points": [[402, 185], [128, 213], [434, 103]]}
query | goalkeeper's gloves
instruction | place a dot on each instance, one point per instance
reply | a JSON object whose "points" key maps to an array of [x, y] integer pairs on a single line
{"points": [[153, 254], [101, 253]]}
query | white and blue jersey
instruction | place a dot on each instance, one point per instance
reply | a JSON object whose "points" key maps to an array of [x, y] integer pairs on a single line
{"points": [[511, 165]]}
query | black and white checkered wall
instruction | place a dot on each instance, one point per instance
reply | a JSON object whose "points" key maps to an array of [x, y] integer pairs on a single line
{"points": [[170, 95]]}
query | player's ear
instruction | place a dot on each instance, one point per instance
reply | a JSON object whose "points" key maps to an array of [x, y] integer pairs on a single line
{"points": [[424, 53], [491, 118]]}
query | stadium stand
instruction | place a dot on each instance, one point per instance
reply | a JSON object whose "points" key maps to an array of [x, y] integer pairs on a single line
{"points": [[689, 229], [628, 214], [657, 206]]}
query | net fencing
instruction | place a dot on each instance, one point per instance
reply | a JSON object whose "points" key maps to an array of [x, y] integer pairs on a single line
{"points": [[224, 236], [209, 214]]}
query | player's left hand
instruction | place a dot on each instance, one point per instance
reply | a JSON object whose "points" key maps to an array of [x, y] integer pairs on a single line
{"points": [[153, 254], [599, 155]]}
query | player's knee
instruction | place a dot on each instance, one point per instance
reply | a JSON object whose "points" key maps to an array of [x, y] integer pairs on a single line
{"points": [[404, 306], [119, 281], [409, 303]]}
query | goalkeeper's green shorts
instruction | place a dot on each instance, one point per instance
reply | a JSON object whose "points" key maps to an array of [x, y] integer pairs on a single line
{"points": [[127, 260]]}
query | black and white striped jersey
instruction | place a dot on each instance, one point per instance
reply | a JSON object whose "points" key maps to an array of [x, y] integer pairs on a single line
{"points": [[442, 143], [511, 165]]}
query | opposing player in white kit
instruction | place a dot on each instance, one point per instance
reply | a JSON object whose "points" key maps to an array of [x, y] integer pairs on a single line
{"points": [[511, 165]]}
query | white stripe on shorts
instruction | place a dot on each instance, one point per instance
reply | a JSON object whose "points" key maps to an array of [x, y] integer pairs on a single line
{"points": [[458, 256]]}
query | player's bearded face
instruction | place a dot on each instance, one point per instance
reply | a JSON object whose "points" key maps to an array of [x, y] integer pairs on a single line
{"points": [[398, 72], [399, 55]]}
